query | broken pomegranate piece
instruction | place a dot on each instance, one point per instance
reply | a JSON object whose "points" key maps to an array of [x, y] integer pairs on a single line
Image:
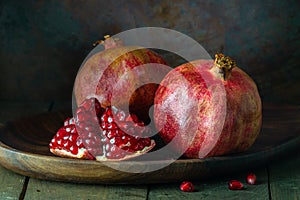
{"points": [[67, 143], [124, 130], [124, 135], [102, 134]]}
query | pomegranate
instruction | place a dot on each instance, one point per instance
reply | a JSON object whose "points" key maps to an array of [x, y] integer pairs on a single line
{"points": [[102, 134], [115, 76], [187, 186], [235, 185], [208, 108]]}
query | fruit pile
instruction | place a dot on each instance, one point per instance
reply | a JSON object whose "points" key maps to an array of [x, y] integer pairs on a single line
{"points": [[207, 107]]}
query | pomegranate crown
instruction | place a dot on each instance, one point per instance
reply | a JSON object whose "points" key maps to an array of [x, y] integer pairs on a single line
{"points": [[225, 64], [109, 42], [222, 61]]}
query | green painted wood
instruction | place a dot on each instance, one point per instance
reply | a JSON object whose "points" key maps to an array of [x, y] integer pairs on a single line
{"points": [[11, 184], [216, 188], [39, 189], [285, 177]]}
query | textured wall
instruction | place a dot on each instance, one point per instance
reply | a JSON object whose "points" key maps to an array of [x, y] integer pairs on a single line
{"points": [[44, 42]]}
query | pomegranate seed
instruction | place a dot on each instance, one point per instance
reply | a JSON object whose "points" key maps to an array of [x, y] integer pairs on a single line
{"points": [[59, 141], [187, 186], [69, 121], [235, 185], [121, 115], [251, 179], [74, 150]]}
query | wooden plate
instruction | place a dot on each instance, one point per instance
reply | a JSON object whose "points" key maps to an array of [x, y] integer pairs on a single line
{"points": [[24, 150]]}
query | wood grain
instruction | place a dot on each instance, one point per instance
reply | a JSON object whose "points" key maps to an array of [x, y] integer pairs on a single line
{"points": [[16, 109], [39, 189], [285, 177], [11, 184], [25, 151]]}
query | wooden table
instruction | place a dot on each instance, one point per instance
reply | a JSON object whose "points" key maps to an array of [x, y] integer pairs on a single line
{"points": [[279, 179]]}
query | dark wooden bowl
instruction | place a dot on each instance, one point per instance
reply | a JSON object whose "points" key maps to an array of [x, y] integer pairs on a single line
{"points": [[24, 150]]}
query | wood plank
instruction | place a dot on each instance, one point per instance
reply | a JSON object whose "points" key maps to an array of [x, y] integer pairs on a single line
{"points": [[12, 184], [214, 189], [285, 177], [39, 189]]}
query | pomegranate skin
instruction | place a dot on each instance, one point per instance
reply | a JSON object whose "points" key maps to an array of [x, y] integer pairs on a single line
{"points": [[101, 76], [209, 113]]}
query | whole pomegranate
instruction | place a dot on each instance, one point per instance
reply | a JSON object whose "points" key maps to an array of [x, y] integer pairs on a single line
{"points": [[208, 108], [116, 76]]}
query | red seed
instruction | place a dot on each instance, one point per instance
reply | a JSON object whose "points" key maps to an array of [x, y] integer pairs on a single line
{"points": [[235, 185], [187, 186], [74, 150], [251, 179]]}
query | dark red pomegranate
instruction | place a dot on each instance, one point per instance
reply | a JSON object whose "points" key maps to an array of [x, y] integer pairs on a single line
{"points": [[101, 134], [208, 108], [117, 74]]}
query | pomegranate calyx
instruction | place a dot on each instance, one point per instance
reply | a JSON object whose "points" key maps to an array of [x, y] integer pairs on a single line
{"points": [[223, 66], [109, 42]]}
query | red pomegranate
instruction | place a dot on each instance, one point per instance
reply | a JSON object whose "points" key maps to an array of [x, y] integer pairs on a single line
{"points": [[208, 108], [117, 74]]}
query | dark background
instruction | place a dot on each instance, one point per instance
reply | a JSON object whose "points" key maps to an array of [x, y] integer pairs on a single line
{"points": [[43, 43]]}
